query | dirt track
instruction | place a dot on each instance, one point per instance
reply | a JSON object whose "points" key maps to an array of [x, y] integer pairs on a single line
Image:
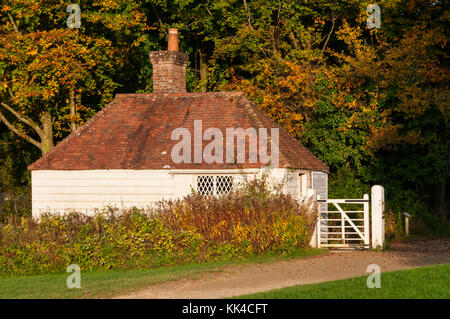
{"points": [[251, 278]]}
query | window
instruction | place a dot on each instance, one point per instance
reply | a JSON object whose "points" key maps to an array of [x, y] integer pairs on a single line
{"points": [[301, 177], [214, 185], [205, 185], [224, 184], [304, 183]]}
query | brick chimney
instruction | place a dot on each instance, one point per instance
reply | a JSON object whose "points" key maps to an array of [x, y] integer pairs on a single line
{"points": [[169, 67]]}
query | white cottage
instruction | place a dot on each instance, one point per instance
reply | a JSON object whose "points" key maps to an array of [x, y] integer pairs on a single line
{"points": [[145, 147]]}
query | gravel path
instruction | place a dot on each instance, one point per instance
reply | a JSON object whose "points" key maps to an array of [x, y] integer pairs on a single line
{"points": [[251, 278]]}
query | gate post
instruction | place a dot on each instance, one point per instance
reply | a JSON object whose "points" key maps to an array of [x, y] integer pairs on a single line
{"points": [[319, 233], [366, 221], [314, 243], [377, 216]]}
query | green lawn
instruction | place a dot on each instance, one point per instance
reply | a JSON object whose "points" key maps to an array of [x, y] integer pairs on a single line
{"points": [[425, 282], [110, 283]]}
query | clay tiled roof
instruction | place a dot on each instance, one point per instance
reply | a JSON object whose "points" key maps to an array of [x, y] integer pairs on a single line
{"points": [[134, 132]]}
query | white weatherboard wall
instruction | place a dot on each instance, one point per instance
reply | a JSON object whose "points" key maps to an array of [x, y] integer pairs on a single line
{"points": [[57, 191], [85, 190], [320, 186]]}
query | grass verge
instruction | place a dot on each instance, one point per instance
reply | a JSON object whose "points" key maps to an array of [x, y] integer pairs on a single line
{"points": [[111, 283], [419, 283]]}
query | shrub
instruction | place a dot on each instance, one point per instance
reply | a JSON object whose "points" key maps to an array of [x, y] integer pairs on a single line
{"points": [[393, 225], [16, 202], [248, 221]]}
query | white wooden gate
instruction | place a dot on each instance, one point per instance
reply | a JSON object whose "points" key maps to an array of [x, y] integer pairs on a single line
{"points": [[343, 222]]}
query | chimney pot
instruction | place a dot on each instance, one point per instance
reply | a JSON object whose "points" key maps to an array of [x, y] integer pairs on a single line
{"points": [[173, 40], [169, 67]]}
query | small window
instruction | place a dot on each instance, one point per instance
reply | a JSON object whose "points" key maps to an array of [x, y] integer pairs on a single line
{"points": [[205, 185], [214, 185], [308, 180], [304, 183], [224, 184]]}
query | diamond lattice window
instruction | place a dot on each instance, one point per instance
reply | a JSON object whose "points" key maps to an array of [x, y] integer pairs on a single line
{"points": [[214, 185], [205, 185], [223, 184]]}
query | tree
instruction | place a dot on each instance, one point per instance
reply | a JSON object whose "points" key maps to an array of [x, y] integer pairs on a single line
{"points": [[278, 55], [48, 70], [383, 110]]}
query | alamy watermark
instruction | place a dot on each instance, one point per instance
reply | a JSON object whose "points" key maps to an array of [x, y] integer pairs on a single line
{"points": [[374, 19], [74, 20], [374, 279], [213, 152], [74, 280]]}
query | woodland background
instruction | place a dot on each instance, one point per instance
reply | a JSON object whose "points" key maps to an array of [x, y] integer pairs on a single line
{"points": [[373, 104]]}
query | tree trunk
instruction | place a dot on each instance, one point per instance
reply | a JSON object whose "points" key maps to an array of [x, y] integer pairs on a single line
{"points": [[203, 70], [294, 40], [273, 38], [73, 111], [47, 133], [439, 200], [45, 130]]}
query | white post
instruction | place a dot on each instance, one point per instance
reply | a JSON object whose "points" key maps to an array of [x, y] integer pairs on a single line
{"points": [[407, 217], [377, 216], [366, 220], [313, 243], [319, 240], [342, 228]]}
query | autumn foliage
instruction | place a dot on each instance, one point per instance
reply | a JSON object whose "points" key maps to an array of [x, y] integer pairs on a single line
{"points": [[247, 222], [373, 104]]}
